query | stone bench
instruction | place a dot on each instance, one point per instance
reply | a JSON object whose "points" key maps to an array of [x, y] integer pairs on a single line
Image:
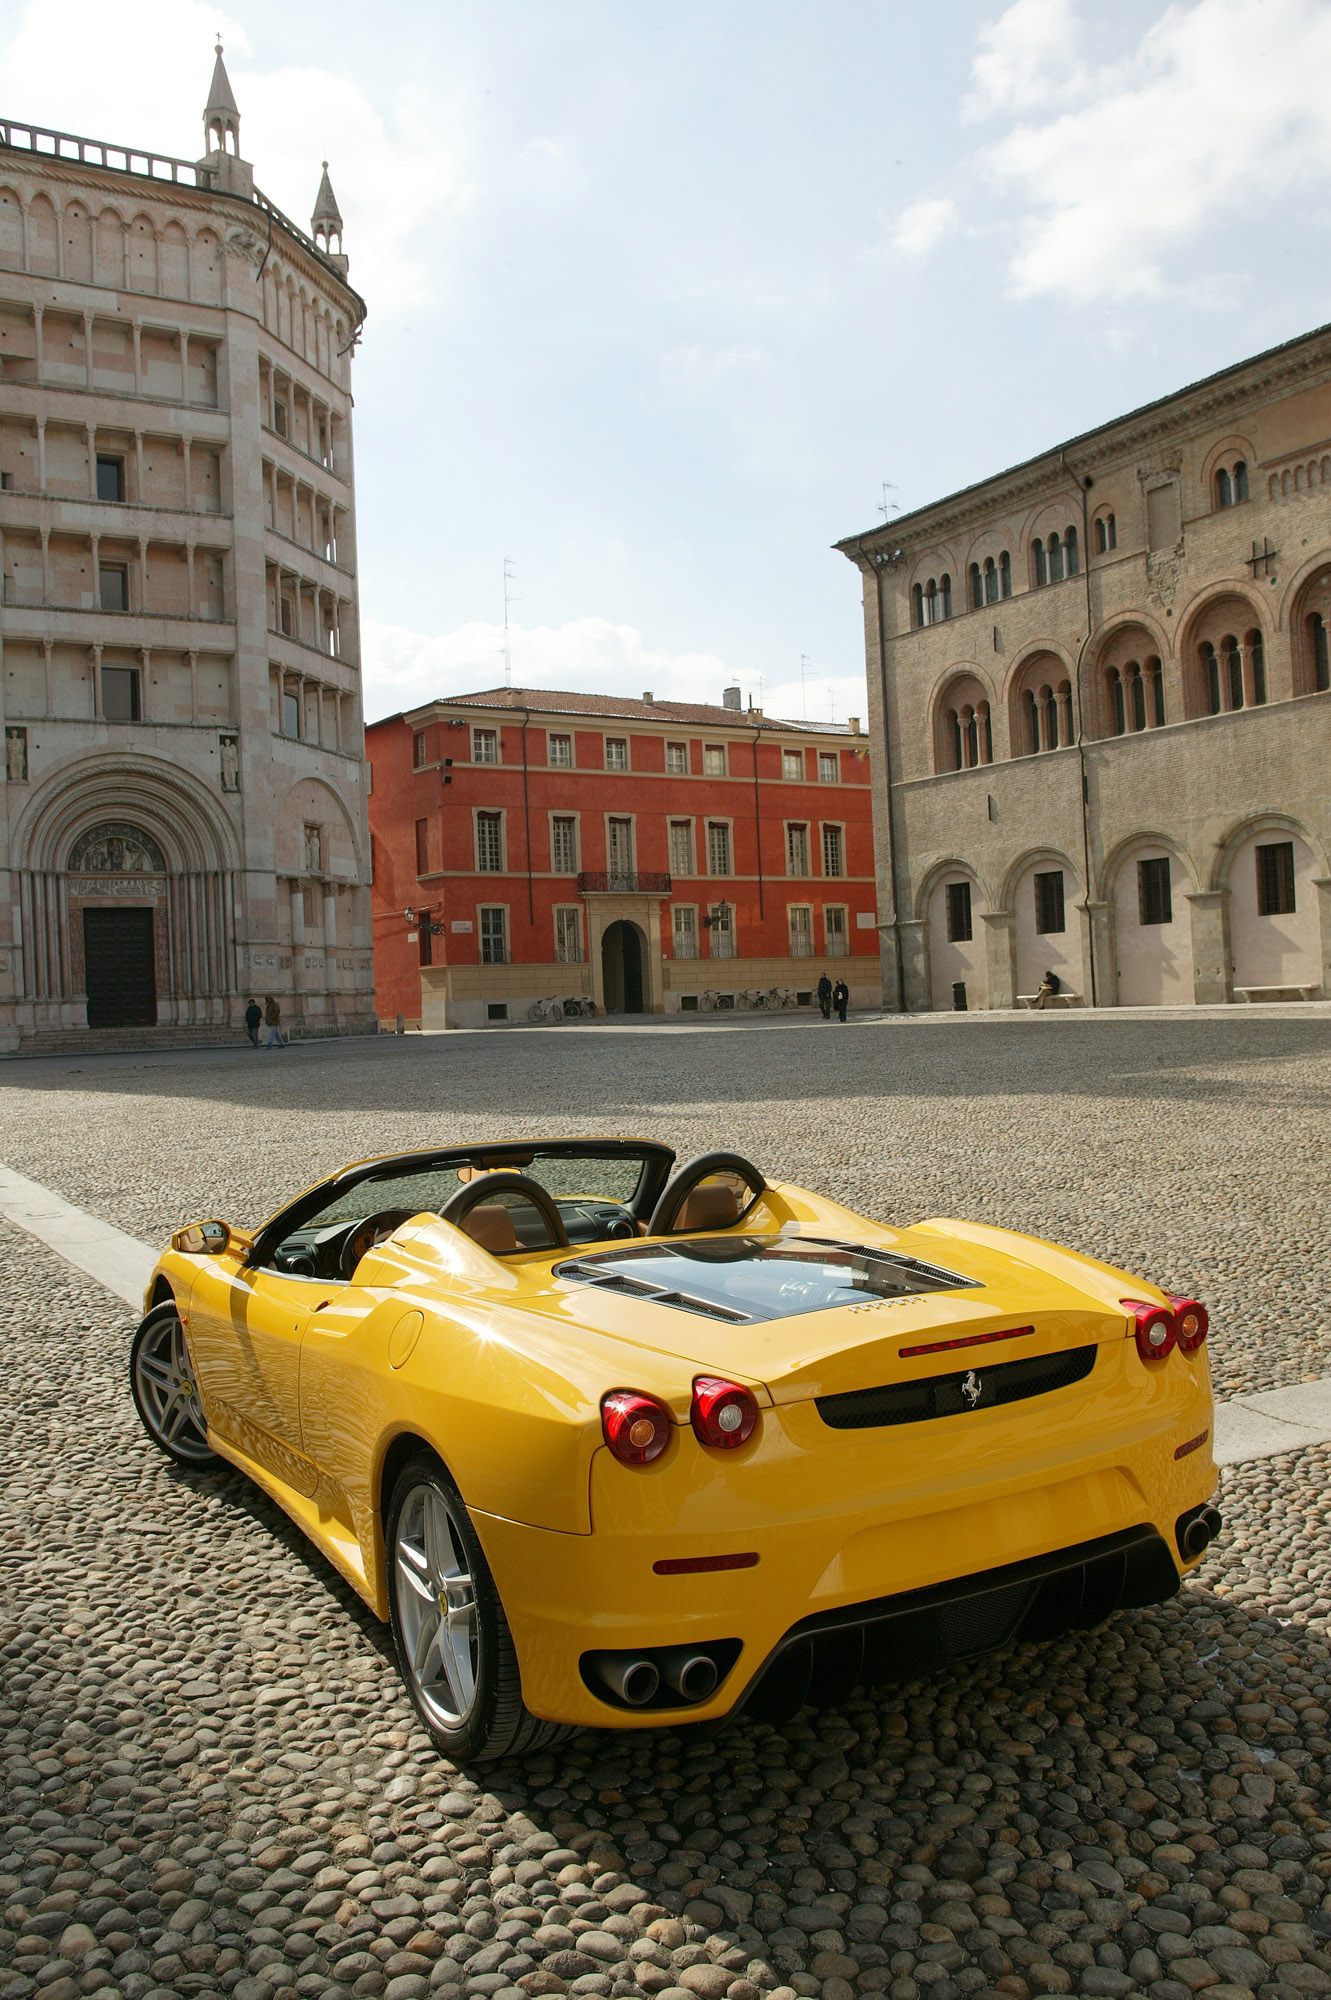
{"points": [[1061, 999], [1256, 993]]}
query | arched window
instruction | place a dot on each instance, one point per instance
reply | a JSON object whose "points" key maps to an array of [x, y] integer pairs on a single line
{"points": [[1106, 535], [1055, 559], [1041, 566], [1156, 675], [1116, 698], [1240, 482], [1224, 488], [1257, 654], [918, 596], [1049, 713], [990, 582], [1065, 712], [977, 587], [1032, 715], [1005, 574], [931, 602], [1137, 695], [1211, 675], [1073, 553], [946, 596], [954, 738], [986, 733], [1229, 646], [1321, 653], [972, 739]]}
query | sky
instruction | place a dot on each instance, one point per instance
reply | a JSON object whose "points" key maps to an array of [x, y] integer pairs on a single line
{"points": [[667, 296]]}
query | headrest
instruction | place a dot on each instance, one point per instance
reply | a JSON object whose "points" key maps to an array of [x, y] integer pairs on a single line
{"points": [[711, 1206], [491, 1225]]}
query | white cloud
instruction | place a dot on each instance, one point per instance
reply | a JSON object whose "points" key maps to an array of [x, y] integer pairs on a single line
{"points": [[1220, 112], [64, 66], [584, 656], [1026, 59], [924, 225]]}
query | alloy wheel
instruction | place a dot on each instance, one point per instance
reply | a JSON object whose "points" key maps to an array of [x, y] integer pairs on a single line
{"points": [[436, 1606], [167, 1393]]}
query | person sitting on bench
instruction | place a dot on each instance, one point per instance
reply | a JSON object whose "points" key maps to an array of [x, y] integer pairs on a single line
{"points": [[1048, 990]]}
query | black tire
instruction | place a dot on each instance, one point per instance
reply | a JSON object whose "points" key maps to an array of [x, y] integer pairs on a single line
{"points": [[461, 1671], [165, 1392]]}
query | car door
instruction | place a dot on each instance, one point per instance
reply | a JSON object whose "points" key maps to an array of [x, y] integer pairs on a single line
{"points": [[245, 1333]]}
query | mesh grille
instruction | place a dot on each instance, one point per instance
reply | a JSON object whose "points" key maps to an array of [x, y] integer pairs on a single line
{"points": [[981, 1388]]}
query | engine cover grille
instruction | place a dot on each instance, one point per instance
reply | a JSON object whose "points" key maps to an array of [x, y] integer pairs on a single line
{"points": [[979, 1388]]}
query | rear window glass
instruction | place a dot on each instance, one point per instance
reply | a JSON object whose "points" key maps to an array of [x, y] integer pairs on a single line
{"points": [[759, 1277]]}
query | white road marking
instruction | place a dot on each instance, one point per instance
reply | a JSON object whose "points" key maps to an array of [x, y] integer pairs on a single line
{"points": [[120, 1262], [1246, 1427]]}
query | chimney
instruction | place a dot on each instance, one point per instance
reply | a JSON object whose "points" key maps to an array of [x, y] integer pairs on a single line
{"points": [[854, 725], [731, 698], [649, 696]]}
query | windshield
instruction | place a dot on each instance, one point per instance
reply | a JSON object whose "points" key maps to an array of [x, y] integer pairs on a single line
{"points": [[758, 1277]]}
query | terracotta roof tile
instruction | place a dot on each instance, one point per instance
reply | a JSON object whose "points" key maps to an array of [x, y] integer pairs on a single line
{"points": [[555, 701]]}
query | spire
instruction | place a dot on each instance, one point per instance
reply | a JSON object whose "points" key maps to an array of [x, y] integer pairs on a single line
{"points": [[221, 116], [326, 222]]}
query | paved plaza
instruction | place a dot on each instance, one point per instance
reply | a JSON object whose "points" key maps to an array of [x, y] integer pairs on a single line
{"points": [[213, 1783]]}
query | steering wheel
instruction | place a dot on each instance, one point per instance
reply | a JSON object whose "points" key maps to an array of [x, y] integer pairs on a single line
{"points": [[367, 1233], [477, 1194], [690, 1176]]}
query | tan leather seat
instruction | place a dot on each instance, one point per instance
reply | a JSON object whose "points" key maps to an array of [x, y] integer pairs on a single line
{"points": [[491, 1225], [711, 1206]]}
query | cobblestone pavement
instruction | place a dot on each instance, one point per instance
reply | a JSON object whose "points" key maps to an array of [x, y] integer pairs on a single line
{"points": [[214, 1785]]}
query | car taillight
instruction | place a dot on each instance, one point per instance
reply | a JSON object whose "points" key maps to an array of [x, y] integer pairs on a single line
{"points": [[724, 1413], [1156, 1331], [1191, 1322], [636, 1427]]}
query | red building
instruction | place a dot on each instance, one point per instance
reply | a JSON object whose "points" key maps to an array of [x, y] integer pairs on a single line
{"points": [[648, 856]]}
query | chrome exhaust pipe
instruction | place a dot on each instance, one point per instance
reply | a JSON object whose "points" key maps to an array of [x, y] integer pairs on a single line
{"points": [[692, 1675], [1201, 1531], [633, 1681]]}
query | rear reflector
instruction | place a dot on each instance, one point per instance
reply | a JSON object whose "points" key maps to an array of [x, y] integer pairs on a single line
{"points": [[966, 1340], [1193, 1444], [691, 1565]]}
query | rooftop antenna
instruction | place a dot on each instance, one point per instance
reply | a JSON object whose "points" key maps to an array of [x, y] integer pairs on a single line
{"points": [[886, 506], [805, 664], [508, 599]]}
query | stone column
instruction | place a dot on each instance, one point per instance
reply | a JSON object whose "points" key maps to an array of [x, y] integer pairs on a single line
{"points": [[1210, 957], [137, 335], [41, 454], [914, 964], [91, 432], [39, 356], [87, 349], [1322, 884], [999, 948], [186, 446]]}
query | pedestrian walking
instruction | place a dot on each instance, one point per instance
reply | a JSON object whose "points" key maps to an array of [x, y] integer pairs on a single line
{"points": [[841, 998], [825, 997], [272, 1015], [253, 1016]]}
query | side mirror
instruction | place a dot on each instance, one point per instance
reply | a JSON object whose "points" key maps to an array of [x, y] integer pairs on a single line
{"points": [[203, 1239]]}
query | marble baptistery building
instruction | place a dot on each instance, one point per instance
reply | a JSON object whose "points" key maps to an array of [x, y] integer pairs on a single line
{"points": [[183, 818], [1100, 708]]}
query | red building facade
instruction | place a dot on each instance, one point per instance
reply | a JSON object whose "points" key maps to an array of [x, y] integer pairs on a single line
{"points": [[645, 856]]}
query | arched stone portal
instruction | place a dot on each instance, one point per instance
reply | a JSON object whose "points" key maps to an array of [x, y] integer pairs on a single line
{"points": [[622, 948]]}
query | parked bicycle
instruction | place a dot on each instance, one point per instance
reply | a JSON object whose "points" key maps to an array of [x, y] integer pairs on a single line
{"points": [[545, 1010], [579, 1006]]}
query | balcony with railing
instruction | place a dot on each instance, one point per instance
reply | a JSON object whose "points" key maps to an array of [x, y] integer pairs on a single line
{"points": [[622, 882]]}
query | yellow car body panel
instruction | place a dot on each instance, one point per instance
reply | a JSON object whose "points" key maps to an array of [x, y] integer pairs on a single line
{"points": [[499, 1366]]}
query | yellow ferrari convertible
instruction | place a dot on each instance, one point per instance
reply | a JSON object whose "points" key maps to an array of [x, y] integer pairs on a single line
{"points": [[617, 1445]]}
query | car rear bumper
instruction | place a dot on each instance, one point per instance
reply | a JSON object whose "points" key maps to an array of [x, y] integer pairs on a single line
{"points": [[938, 1568]]}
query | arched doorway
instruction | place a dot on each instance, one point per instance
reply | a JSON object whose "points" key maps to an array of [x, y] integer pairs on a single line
{"points": [[621, 968], [115, 882]]}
